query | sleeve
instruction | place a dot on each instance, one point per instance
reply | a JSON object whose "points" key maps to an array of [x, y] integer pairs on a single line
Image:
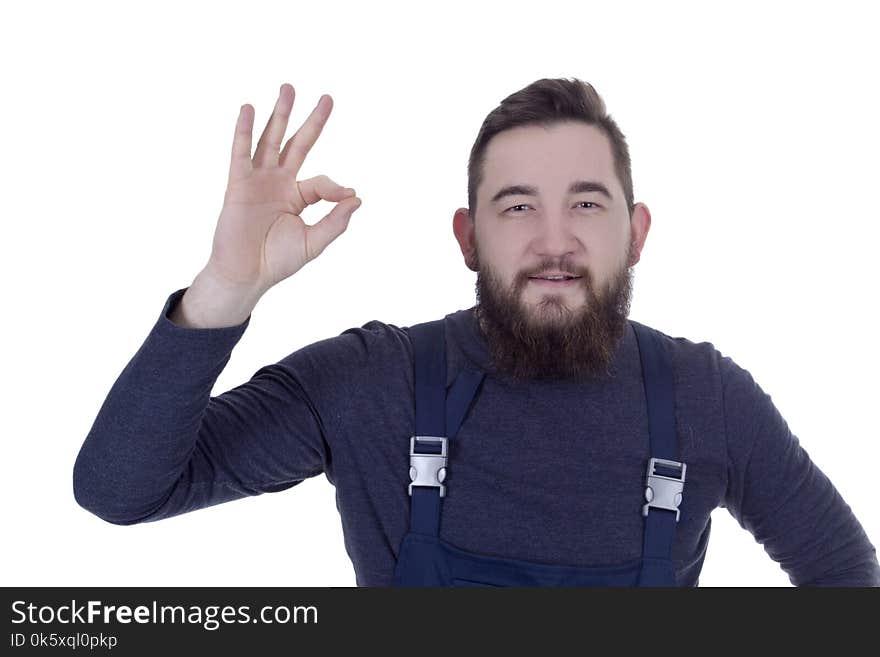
{"points": [[161, 445], [778, 494]]}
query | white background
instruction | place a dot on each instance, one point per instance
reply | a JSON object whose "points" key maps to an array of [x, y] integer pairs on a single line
{"points": [[754, 141]]}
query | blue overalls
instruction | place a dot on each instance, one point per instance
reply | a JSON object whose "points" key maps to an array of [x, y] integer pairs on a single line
{"points": [[426, 560]]}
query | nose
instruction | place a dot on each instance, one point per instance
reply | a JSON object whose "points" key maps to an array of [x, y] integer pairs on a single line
{"points": [[555, 237]]}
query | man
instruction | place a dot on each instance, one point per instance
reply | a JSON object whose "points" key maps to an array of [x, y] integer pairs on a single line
{"points": [[538, 438], [537, 327]]}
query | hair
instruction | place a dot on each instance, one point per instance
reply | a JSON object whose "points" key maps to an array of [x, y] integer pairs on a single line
{"points": [[547, 102]]}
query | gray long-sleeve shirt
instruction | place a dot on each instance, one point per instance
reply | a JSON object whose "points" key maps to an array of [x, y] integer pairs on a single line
{"points": [[550, 472]]}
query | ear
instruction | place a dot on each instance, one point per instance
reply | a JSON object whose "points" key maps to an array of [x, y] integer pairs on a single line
{"points": [[640, 224], [463, 227]]}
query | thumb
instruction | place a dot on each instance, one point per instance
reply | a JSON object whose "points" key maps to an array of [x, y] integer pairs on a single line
{"points": [[331, 226], [322, 188]]}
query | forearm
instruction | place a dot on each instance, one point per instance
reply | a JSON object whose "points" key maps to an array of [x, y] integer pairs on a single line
{"points": [[145, 432], [865, 573]]}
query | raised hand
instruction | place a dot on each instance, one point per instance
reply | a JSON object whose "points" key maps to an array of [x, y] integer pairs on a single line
{"points": [[260, 237]]}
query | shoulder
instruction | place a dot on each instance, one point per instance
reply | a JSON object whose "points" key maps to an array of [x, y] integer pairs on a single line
{"points": [[374, 345], [709, 371], [713, 376], [692, 358]]}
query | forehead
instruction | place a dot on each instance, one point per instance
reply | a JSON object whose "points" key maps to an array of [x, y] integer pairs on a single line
{"points": [[548, 156]]}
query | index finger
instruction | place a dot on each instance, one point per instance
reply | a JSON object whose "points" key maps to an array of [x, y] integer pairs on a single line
{"points": [[298, 146], [240, 165]]}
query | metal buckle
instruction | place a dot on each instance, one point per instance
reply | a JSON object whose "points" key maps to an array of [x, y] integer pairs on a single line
{"points": [[428, 469], [664, 491]]}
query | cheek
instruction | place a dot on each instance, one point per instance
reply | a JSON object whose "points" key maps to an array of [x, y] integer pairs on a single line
{"points": [[499, 256], [606, 252]]}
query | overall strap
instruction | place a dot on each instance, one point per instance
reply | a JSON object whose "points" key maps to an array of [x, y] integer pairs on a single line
{"points": [[438, 419], [664, 480]]}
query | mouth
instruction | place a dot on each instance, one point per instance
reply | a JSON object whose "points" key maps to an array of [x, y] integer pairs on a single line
{"points": [[553, 283]]}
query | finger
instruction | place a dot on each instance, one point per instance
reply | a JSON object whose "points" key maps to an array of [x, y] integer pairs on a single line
{"points": [[331, 226], [270, 141], [320, 188], [298, 146], [240, 164]]}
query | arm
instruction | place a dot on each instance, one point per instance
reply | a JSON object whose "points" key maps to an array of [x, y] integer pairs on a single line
{"points": [[162, 446], [788, 504]]}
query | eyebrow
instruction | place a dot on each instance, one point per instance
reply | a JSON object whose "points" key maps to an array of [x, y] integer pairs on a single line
{"points": [[577, 187]]}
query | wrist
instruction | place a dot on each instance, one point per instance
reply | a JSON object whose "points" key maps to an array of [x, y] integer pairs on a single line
{"points": [[212, 302]]}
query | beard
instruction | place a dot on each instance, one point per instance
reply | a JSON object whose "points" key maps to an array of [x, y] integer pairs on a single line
{"points": [[569, 335]]}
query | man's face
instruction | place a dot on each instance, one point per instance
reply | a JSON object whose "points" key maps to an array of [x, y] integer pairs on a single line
{"points": [[539, 329]]}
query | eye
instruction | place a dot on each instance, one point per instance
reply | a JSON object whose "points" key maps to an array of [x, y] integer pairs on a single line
{"points": [[525, 205]]}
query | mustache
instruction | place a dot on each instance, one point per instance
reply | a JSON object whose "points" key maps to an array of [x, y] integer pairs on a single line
{"points": [[551, 269]]}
